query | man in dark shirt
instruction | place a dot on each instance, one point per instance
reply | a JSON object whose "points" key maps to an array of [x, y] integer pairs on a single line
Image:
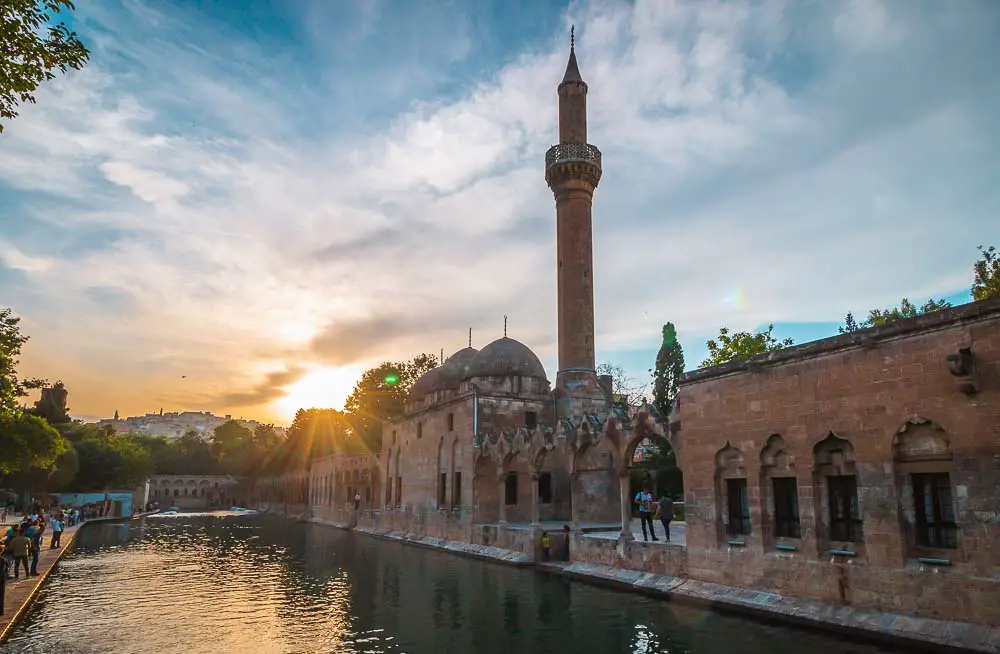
{"points": [[20, 546], [665, 510]]}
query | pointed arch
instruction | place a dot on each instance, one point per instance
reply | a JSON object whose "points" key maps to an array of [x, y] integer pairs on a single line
{"points": [[732, 494], [835, 493], [924, 468], [779, 492]]}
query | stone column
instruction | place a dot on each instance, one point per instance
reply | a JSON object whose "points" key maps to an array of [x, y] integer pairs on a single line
{"points": [[626, 507], [574, 481], [502, 496], [535, 521]]}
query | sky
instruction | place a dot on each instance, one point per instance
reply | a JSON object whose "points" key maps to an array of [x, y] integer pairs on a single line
{"points": [[240, 206]]}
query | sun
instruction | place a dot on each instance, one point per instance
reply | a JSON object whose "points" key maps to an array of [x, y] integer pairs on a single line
{"points": [[323, 387]]}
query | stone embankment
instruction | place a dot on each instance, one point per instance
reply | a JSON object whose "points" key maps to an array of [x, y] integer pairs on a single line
{"points": [[920, 634]]}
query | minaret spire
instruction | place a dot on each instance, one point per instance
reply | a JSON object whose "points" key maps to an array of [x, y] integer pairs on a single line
{"points": [[505, 325], [573, 171], [572, 68]]}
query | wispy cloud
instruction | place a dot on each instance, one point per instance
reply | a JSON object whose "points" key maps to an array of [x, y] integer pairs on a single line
{"points": [[237, 193]]}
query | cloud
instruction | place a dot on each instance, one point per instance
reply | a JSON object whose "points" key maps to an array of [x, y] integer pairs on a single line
{"points": [[370, 184], [272, 388]]}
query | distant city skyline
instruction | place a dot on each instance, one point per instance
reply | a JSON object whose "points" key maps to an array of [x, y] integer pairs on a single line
{"points": [[200, 221], [173, 424]]}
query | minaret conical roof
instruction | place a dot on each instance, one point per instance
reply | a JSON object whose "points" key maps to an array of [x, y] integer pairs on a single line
{"points": [[572, 68]]}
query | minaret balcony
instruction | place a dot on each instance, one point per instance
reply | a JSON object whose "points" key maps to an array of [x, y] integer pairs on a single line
{"points": [[572, 152]]}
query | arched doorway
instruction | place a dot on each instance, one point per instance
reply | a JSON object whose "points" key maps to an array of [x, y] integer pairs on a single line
{"points": [[653, 466]]}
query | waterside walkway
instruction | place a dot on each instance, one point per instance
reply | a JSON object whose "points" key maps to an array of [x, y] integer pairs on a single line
{"points": [[20, 593]]}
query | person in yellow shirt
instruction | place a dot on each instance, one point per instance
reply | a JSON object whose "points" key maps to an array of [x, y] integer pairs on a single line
{"points": [[546, 545]]}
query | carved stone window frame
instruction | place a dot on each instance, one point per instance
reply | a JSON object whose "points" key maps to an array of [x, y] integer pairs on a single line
{"points": [[833, 456], [921, 446]]}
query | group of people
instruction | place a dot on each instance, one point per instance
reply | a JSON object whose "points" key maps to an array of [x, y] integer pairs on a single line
{"points": [[649, 510], [22, 542]]}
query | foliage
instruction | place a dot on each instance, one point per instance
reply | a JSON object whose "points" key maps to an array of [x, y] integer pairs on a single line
{"points": [[660, 470], [52, 404], [31, 49], [12, 389], [374, 400], [987, 274], [622, 385], [26, 442], [668, 370], [850, 324], [108, 461], [906, 309], [242, 452], [740, 346], [316, 433]]}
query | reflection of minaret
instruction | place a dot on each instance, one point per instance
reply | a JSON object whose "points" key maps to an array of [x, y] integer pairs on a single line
{"points": [[573, 170]]}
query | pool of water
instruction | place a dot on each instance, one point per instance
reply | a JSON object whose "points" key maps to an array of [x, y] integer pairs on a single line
{"points": [[243, 584]]}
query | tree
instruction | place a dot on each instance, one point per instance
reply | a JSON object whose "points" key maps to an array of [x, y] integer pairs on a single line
{"points": [[110, 461], [31, 48], [52, 404], [27, 441], [315, 433], [12, 389], [229, 439], [668, 370], [380, 395], [740, 346], [622, 385], [906, 309], [850, 324], [987, 274]]}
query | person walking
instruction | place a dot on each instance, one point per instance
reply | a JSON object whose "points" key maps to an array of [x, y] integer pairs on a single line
{"points": [[645, 501], [665, 512], [357, 501]]}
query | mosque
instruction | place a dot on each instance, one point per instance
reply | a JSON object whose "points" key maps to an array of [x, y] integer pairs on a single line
{"points": [[822, 482], [487, 433]]}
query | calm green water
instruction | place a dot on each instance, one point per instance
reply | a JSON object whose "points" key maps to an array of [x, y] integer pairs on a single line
{"points": [[226, 583]]}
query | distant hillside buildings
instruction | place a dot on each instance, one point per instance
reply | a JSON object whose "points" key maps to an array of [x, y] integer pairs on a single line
{"points": [[174, 424]]}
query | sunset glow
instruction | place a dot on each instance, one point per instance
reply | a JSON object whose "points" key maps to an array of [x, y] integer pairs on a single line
{"points": [[322, 387]]}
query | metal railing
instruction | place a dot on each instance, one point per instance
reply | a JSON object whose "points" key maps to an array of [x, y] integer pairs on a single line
{"points": [[564, 152]]}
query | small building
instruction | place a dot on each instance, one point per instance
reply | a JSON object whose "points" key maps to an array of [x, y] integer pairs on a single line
{"points": [[193, 492]]}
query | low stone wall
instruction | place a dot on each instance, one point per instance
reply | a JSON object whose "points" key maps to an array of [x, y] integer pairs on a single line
{"points": [[920, 633], [670, 560], [657, 569]]}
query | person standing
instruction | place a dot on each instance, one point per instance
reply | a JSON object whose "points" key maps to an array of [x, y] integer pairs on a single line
{"points": [[34, 534], [357, 501], [20, 547], [645, 501], [665, 511], [57, 530]]}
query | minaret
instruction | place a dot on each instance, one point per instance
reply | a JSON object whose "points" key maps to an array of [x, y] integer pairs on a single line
{"points": [[573, 170]]}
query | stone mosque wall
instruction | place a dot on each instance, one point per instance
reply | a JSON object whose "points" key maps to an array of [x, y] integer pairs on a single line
{"points": [[862, 469]]}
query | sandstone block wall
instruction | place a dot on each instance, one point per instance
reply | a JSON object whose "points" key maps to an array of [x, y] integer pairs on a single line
{"points": [[892, 408]]}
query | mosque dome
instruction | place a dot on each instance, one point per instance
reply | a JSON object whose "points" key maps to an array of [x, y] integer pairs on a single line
{"points": [[445, 376], [504, 357]]}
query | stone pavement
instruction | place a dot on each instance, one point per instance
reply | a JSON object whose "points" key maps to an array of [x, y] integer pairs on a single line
{"points": [[678, 533], [19, 593]]}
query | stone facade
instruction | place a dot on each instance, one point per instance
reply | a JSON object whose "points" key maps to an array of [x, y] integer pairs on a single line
{"points": [[193, 491], [858, 473], [866, 466]]}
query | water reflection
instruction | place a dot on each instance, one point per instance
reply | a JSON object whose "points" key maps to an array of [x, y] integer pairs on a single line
{"points": [[207, 583]]}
